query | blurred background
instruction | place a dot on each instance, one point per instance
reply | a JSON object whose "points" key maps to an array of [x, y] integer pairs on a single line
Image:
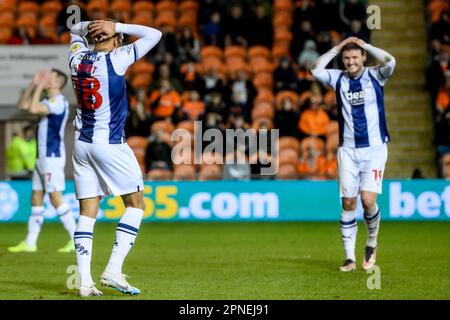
{"points": [[241, 64]]}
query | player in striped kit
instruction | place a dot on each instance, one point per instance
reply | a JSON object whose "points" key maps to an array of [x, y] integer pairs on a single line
{"points": [[48, 177], [103, 162], [363, 136]]}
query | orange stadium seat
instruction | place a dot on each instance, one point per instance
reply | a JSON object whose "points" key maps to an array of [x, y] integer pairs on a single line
{"points": [[5, 34], [98, 5], [137, 142], [265, 95], [51, 7], [262, 110], [141, 80], [314, 142], [292, 95], [184, 172], [141, 6], [289, 143], [27, 19], [166, 6], [187, 20], [120, 5], [186, 125], [234, 51], [236, 64], [7, 5], [208, 51], [283, 5], [144, 18], [258, 51], [142, 66], [188, 5], [260, 64], [282, 18], [64, 38], [210, 172], [287, 172], [263, 80], [257, 123], [7, 19], [162, 125], [280, 50], [288, 156], [28, 6], [159, 175], [166, 19]]}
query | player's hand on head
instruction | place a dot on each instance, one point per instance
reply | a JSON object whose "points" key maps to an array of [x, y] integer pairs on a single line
{"points": [[39, 77], [359, 42], [101, 30]]}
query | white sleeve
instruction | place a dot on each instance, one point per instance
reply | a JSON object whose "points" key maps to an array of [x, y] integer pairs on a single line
{"points": [[125, 56], [384, 70], [326, 76], [78, 42], [55, 105]]}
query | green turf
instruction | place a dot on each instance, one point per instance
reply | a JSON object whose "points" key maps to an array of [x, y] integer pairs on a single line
{"points": [[238, 261]]}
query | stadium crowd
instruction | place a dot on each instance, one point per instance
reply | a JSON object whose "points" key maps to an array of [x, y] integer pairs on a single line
{"points": [[231, 64], [438, 79]]}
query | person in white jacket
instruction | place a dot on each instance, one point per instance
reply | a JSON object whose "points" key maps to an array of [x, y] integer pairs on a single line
{"points": [[102, 160], [363, 136]]}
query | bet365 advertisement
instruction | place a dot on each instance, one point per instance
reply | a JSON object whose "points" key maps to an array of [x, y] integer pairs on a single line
{"points": [[246, 201]]}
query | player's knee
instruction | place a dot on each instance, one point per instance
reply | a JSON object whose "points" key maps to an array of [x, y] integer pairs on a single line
{"points": [[368, 203], [349, 204], [135, 200]]}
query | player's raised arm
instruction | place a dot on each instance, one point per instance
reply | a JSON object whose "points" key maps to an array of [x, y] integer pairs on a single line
{"points": [[387, 61], [78, 41], [125, 56], [318, 70]]}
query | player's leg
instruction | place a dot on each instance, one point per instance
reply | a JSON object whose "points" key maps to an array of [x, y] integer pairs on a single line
{"points": [[83, 238], [348, 189], [125, 180], [66, 217], [371, 185], [55, 184], [36, 218]]}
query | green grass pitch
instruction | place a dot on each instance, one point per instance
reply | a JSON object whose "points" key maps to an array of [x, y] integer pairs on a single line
{"points": [[238, 261]]}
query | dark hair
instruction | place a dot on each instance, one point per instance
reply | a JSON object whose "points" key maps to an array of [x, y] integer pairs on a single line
{"points": [[62, 76], [27, 127], [352, 46]]}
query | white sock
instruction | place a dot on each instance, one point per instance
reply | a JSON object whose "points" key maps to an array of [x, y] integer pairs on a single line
{"points": [[349, 229], [34, 225], [372, 221], [83, 247], [126, 233], [67, 219]]}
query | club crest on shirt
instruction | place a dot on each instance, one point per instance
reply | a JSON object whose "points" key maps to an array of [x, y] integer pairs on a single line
{"points": [[355, 98]]}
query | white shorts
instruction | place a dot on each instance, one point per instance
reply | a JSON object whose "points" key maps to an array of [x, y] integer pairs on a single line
{"points": [[49, 175], [102, 169], [361, 169]]}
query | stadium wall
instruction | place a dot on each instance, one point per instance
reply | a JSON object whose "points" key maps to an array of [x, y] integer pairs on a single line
{"points": [[270, 201]]}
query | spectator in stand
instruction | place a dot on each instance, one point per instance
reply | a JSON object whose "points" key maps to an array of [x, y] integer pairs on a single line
{"points": [[206, 10], [237, 121], [312, 164], [212, 82], [443, 97], [286, 118], [331, 165], [158, 152], [43, 36], [236, 166], [356, 30], [300, 36], [440, 30], [188, 46], [306, 10], [260, 28], [284, 75], [191, 80], [19, 36], [163, 102], [213, 32], [445, 160], [164, 73], [168, 43], [215, 105], [350, 10], [194, 107], [236, 26], [314, 121], [323, 42], [308, 56], [435, 76], [243, 92], [442, 139], [135, 125], [329, 20]]}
